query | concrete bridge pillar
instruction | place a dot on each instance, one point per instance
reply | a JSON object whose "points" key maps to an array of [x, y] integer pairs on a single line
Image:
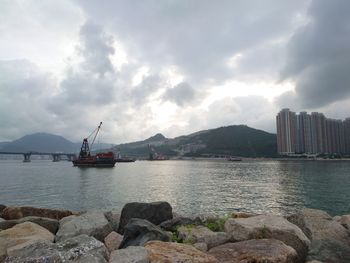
{"points": [[56, 157], [26, 157]]}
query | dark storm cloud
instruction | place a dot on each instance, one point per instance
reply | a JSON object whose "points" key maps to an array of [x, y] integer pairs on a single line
{"points": [[319, 55], [181, 94]]}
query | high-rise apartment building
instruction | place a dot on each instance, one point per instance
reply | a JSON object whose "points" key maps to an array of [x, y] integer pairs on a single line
{"points": [[286, 132], [311, 134]]}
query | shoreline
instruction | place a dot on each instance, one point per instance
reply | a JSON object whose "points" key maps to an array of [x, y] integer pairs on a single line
{"points": [[152, 232]]}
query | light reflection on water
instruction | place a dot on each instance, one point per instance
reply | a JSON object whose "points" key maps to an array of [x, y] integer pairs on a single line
{"points": [[189, 186]]}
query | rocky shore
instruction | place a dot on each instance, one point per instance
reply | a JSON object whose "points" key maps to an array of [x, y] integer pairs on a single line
{"points": [[152, 232]]}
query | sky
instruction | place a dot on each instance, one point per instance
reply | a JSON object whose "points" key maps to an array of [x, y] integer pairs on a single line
{"points": [[174, 67]]}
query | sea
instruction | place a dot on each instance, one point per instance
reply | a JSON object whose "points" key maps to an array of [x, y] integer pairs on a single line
{"points": [[190, 186]]}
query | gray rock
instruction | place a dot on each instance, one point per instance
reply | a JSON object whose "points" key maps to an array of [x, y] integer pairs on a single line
{"points": [[139, 231], [155, 213], [83, 249], [48, 223], [269, 226], [343, 220], [113, 241], [255, 250], [329, 239], [92, 223], [1, 220], [172, 224], [2, 207], [129, 255], [113, 218], [317, 224], [201, 234], [201, 246], [329, 251]]}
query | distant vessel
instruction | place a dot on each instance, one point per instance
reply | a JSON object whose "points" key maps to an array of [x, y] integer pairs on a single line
{"points": [[86, 159], [234, 159], [121, 159]]}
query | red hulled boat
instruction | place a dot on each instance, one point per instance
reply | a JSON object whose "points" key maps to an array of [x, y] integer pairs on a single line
{"points": [[86, 159]]}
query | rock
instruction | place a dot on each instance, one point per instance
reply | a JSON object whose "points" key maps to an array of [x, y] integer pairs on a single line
{"points": [[196, 234], [329, 251], [172, 224], [317, 224], [155, 213], [170, 252], [113, 218], [91, 223], [19, 212], [201, 246], [22, 235], [255, 250], [329, 239], [1, 220], [48, 223], [3, 249], [83, 249], [113, 241], [139, 231], [130, 255], [2, 207], [269, 226], [343, 220]]}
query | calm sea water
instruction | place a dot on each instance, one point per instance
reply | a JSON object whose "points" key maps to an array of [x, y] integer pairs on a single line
{"points": [[189, 186]]}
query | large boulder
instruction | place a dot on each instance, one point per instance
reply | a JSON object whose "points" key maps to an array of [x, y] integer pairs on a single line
{"points": [[92, 223], [269, 226], [139, 231], [201, 234], [83, 249], [317, 224], [155, 213], [22, 235], [329, 239], [19, 212], [113, 241], [129, 255], [48, 223], [255, 250], [171, 252]]}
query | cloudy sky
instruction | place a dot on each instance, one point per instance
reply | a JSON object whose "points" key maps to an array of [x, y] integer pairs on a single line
{"points": [[168, 66]]}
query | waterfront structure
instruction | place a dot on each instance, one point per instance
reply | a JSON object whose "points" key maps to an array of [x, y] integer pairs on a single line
{"points": [[313, 133]]}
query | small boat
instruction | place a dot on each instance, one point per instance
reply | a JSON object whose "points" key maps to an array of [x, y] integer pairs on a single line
{"points": [[125, 160], [234, 159], [86, 159]]}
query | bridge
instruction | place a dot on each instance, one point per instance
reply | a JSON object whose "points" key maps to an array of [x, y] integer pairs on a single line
{"points": [[55, 156]]}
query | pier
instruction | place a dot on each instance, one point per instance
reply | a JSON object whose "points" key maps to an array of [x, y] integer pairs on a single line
{"points": [[56, 157]]}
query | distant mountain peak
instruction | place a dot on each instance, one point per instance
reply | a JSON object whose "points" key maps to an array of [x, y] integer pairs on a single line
{"points": [[157, 137]]}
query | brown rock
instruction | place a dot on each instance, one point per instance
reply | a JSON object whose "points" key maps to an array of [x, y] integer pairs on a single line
{"points": [[48, 223], [271, 227], [113, 241], [19, 212], [255, 250], [24, 234], [2, 207], [169, 252]]}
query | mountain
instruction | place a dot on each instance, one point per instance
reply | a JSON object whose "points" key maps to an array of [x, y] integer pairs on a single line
{"points": [[237, 140], [40, 142]]}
